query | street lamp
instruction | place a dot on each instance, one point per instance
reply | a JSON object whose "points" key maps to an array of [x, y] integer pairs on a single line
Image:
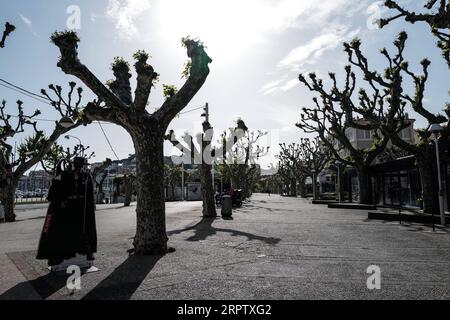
{"points": [[68, 137], [66, 122], [436, 129], [182, 182], [338, 165], [213, 172]]}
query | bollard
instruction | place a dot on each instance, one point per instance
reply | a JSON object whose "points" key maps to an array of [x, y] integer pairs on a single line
{"points": [[227, 207]]}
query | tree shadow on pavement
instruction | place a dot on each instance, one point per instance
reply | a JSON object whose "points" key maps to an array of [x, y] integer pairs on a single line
{"points": [[205, 229], [123, 282], [45, 286]]}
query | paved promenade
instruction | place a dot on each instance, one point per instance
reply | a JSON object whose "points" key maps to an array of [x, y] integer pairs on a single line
{"points": [[274, 248]]}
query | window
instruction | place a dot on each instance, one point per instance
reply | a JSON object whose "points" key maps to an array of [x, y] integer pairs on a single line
{"points": [[366, 135], [404, 134]]}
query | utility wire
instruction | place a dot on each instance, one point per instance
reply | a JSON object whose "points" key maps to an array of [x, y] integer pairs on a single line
{"points": [[25, 94], [34, 119], [24, 90], [104, 123], [39, 97], [107, 139], [192, 110]]}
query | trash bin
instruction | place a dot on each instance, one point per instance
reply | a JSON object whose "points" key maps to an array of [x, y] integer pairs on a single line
{"points": [[227, 206]]}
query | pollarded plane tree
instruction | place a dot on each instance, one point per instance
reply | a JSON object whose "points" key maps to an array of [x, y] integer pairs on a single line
{"points": [[335, 113], [13, 167], [125, 185], [9, 28], [274, 183], [147, 130], [206, 155], [315, 155], [397, 98], [172, 178], [99, 175], [292, 168], [286, 177], [241, 166], [437, 17]]}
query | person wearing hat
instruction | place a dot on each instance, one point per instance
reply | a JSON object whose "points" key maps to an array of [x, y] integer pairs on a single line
{"points": [[70, 227]]}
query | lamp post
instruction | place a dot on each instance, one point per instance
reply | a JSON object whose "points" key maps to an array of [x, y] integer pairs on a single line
{"points": [[338, 165], [436, 129], [66, 122], [213, 172], [68, 137], [182, 181]]}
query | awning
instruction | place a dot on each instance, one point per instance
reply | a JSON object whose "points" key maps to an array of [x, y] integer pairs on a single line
{"points": [[401, 164]]}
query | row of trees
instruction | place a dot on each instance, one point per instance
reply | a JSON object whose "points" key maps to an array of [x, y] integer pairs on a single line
{"points": [[298, 161], [381, 102], [234, 158]]}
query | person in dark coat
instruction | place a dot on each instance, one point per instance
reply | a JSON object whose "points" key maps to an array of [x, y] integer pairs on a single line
{"points": [[69, 227]]}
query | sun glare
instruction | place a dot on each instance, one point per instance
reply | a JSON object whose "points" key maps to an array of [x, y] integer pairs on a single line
{"points": [[228, 28]]}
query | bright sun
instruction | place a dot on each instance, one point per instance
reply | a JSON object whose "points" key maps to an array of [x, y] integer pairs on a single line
{"points": [[227, 27]]}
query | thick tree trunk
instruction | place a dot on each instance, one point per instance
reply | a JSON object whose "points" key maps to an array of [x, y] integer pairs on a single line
{"points": [[128, 191], [293, 188], [340, 192], [428, 179], [314, 188], [7, 195], [209, 204], [287, 187], [365, 193], [302, 188], [151, 237]]}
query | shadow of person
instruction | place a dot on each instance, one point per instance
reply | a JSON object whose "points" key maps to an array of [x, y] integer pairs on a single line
{"points": [[205, 229], [44, 286], [123, 282]]}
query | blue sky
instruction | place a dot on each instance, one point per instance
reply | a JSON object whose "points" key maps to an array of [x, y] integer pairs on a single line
{"points": [[258, 48]]}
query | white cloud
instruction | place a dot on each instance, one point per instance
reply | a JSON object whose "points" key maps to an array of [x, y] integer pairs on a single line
{"points": [[310, 52], [326, 25], [124, 13], [306, 55], [296, 14], [26, 20], [29, 24]]}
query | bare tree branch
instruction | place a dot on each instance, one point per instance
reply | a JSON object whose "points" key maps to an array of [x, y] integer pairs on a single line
{"points": [[9, 28]]}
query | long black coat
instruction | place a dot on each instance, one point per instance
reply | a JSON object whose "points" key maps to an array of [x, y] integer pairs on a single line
{"points": [[69, 227]]}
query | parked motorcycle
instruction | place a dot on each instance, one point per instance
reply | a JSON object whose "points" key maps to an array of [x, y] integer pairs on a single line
{"points": [[236, 198]]}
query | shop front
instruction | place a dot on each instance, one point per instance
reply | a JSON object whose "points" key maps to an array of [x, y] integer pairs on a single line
{"points": [[397, 183]]}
